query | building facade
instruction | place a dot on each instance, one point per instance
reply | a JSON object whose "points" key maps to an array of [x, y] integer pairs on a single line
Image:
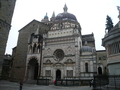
{"points": [[101, 62], [54, 48], [87, 59], [6, 13], [111, 42], [6, 67]]}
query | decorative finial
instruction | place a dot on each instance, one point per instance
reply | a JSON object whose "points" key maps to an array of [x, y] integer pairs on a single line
{"points": [[65, 8], [118, 7], [53, 15]]}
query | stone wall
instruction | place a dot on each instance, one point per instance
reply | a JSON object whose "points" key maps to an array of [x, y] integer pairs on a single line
{"points": [[6, 13], [19, 62]]}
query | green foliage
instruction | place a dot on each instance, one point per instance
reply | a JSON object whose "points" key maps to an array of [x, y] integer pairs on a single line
{"points": [[109, 23]]}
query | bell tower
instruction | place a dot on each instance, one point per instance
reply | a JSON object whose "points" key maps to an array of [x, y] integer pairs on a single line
{"points": [[6, 13]]}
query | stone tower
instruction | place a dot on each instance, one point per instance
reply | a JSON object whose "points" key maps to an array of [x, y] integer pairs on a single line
{"points": [[6, 13]]}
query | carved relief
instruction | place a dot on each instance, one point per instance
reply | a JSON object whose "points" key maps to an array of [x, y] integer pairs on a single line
{"points": [[69, 50], [58, 65], [48, 61], [48, 52]]}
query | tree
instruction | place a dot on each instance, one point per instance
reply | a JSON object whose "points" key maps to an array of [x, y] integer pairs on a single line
{"points": [[109, 23]]}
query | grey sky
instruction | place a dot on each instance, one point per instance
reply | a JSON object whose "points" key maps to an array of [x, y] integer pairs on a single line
{"points": [[91, 14]]}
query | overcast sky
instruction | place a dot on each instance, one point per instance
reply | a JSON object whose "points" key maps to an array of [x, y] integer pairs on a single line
{"points": [[91, 14]]}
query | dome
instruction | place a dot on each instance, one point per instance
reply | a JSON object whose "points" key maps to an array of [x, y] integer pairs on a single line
{"points": [[46, 17], [65, 15], [86, 49]]}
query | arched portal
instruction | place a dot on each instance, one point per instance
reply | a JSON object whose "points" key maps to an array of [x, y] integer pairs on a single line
{"points": [[58, 74], [33, 69], [99, 70]]}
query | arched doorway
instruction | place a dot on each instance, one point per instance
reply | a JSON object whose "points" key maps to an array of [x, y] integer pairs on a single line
{"points": [[33, 69], [99, 70], [58, 74]]}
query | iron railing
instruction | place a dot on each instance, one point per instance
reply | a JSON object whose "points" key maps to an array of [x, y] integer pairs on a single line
{"points": [[107, 82]]}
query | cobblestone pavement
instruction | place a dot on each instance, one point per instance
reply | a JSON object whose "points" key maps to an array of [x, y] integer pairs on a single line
{"points": [[6, 85]]}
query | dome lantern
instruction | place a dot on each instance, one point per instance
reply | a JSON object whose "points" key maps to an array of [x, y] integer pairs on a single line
{"points": [[65, 8]]}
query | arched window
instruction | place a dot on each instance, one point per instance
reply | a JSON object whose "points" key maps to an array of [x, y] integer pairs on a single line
{"points": [[38, 48], [86, 67], [34, 48], [30, 49]]}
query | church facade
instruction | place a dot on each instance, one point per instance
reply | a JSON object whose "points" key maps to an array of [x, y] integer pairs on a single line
{"points": [[55, 49]]}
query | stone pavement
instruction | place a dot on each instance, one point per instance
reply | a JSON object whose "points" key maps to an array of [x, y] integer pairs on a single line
{"points": [[6, 85]]}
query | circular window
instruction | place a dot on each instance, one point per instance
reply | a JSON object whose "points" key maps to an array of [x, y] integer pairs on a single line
{"points": [[59, 54]]}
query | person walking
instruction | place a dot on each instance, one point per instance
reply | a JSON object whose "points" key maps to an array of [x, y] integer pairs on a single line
{"points": [[21, 84], [92, 83]]}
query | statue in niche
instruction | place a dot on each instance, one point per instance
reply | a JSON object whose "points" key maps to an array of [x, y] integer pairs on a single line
{"points": [[118, 7], [75, 31], [60, 25]]}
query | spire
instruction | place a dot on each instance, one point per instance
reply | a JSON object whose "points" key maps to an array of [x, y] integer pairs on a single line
{"points": [[118, 7], [53, 15], [37, 31], [65, 8]]}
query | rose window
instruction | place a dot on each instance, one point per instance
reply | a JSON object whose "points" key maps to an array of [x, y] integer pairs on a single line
{"points": [[59, 54]]}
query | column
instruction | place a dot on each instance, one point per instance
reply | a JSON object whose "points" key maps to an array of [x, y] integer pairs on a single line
{"points": [[119, 46], [26, 70], [113, 49], [39, 71]]}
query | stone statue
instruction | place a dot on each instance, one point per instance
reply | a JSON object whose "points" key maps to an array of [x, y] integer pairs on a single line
{"points": [[118, 7]]}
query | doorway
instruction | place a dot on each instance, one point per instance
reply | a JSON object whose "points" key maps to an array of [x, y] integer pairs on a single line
{"points": [[99, 70], [58, 74], [33, 69]]}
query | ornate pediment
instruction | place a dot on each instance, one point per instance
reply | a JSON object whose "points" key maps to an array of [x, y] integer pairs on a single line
{"points": [[58, 65], [69, 61]]}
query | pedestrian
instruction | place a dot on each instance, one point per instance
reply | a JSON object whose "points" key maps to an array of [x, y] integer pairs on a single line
{"points": [[21, 84], [92, 83], [54, 82]]}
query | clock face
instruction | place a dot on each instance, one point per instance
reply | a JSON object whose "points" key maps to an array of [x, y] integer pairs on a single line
{"points": [[58, 54]]}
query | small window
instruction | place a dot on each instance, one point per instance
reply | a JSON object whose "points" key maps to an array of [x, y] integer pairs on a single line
{"points": [[99, 58], [104, 57], [86, 67]]}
